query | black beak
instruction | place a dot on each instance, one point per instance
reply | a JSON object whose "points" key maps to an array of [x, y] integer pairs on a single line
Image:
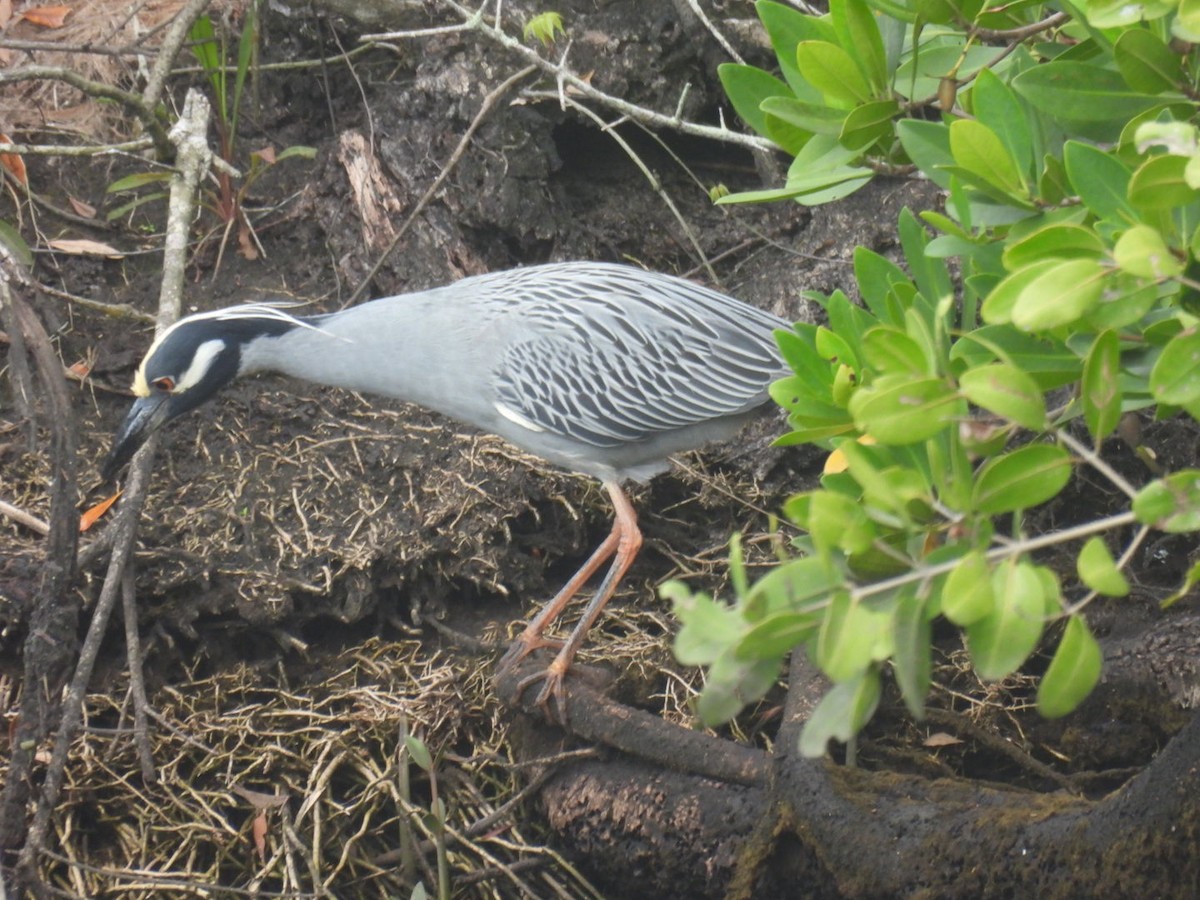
{"points": [[145, 417]]}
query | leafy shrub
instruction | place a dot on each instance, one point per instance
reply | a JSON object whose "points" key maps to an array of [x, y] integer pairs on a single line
{"points": [[1067, 148]]}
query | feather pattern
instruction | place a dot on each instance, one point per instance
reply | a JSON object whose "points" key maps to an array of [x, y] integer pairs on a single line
{"points": [[611, 355]]}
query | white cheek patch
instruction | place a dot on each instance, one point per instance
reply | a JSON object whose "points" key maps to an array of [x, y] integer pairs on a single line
{"points": [[139, 386], [200, 364]]}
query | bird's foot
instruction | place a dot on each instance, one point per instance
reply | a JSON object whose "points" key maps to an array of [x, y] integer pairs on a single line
{"points": [[525, 644], [553, 679]]}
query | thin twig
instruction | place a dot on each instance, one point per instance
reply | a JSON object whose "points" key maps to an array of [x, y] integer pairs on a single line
{"points": [[53, 621], [1093, 459], [655, 184], [488, 102], [172, 43], [192, 158], [694, 6], [77, 150], [135, 103], [119, 311], [585, 88], [18, 515], [137, 685], [997, 744]]}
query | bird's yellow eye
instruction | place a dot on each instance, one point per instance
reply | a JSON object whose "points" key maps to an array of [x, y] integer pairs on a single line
{"points": [[166, 383]]}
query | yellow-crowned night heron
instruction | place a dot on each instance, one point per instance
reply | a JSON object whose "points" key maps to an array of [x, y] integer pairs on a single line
{"points": [[601, 369]]}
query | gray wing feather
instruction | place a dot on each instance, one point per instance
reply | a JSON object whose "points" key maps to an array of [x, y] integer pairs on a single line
{"points": [[610, 355]]}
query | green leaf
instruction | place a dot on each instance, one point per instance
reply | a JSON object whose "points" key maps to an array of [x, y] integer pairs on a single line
{"points": [[877, 277], [931, 275], [132, 182], [833, 72], [12, 240], [1171, 504], [1159, 183], [1189, 581], [1141, 251], [967, 594], [899, 409], [1101, 181], [545, 27], [1062, 294], [707, 627], [1081, 92], [996, 105], [842, 713], [118, 211], [1098, 571], [1119, 13], [787, 27], [732, 684], [1174, 378], [849, 633], [835, 520], [1186, 25], [856, 27], [978, 150], [1100, 388], [296, 150], [813, 117], [912, 635], [889, 350], [418, 752], [835, 348], [927, 144], [814, 373], [1073, 671], [247, 49], [1003, 639], [1126, 300], [868, 124], [775, 635], [998, 308], [1007, 391], [1060, 241], [1021, 479], [208, 52], [1050, 362], [1146, 63], [747, 87], [798, 585]]}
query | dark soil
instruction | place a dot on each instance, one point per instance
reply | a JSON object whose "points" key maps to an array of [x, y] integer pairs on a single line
{"points": [[301, 543]]}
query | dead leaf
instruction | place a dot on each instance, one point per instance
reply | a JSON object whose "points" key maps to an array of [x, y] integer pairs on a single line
{"points": [[5, 13], [259, 831], [258, 799], [47, 16], [82, 209], [84, 247], [246, 247], [941, 739], [89, 517], [13, 163]]}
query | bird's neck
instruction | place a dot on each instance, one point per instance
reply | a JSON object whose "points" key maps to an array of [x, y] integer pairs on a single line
{"points": [[403, 347]]}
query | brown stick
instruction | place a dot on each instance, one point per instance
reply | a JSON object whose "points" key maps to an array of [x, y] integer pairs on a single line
{"points": [[49, 648]]}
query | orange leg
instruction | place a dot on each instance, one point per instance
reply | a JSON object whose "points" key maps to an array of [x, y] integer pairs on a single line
{"points": [[622, 544]]}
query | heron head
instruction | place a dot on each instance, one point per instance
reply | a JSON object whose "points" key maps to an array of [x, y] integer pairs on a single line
{"points": [[186, 365]]}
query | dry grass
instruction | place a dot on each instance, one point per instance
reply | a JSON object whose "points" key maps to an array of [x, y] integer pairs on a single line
{"points": [[275, 783], [106, 25]]}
